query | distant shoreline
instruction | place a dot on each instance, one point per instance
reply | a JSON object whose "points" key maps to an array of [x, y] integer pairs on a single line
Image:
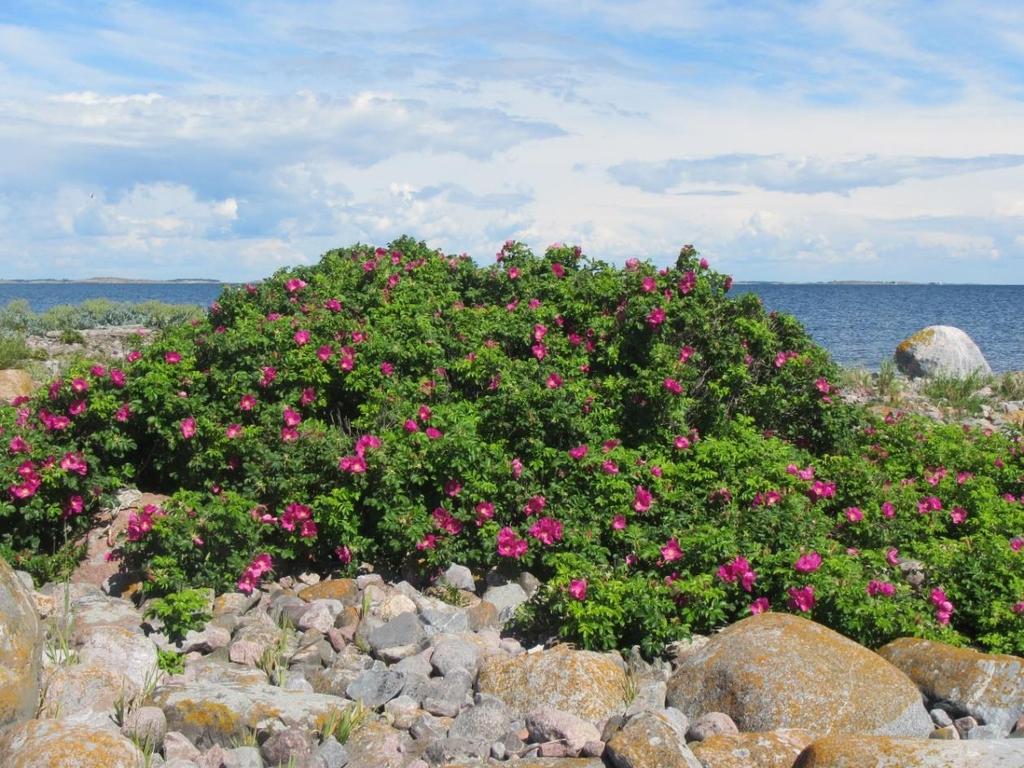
{"points": [[114, 281]]}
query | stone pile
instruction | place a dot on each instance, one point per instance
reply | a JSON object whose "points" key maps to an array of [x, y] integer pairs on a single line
{"points": [[314, 673]]}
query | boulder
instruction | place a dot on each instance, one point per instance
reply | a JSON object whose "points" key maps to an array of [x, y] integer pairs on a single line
{"points": [[535, 762], [883, 752], [551, 725], [375, 745], [116, 648], [15, 382], [776, 670], [344, 590], [52, 743], [506, 598], [650, 740], [989, 687], [940, 350], [768, 749], [586, 684], [85, 694], [20, 649], [215, 713]]}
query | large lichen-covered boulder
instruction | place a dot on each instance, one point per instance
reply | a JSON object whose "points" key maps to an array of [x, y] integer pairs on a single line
{"points": [[58, 744], [769, 749], [776, 670], [885, 752], [15, 382], [215, 713], [987, 686], [650, 740], [344, 590], [84, 694], [20, 649], [940, 350], [589, 685], [535, 762]]}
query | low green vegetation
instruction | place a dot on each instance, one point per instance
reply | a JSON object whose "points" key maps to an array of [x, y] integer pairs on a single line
{"points": [[665, 458], [17, 318]]}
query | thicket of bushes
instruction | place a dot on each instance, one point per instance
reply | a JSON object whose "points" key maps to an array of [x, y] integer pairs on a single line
{"points": [[666, 458]]}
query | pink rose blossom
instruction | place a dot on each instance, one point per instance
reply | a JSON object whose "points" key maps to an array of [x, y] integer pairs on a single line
{"points": [[579, 451], [188, 427], [642, 499], [509, 543], [801, 599], [484, 512], [671, 551], [760, 605], [807, 563], [578, 589]]}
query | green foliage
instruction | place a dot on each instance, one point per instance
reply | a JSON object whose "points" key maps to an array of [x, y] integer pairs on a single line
{"points": [[171, 662], [181, 611], [958, 393], [661, 456], [14, 352], [17, 317]]}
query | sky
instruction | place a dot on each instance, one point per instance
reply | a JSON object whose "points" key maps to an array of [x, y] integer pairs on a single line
{"points": [[791, 141]]}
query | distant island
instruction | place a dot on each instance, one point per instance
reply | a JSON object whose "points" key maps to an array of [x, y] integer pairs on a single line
{"points": [[833, 282], [115, 281]]}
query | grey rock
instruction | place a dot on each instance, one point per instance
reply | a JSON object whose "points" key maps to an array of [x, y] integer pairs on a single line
{"points": [[458, 576], [445, 697], [992, 731], [177, 746], [332, 753], [146, 725], [940, 350], [440, 620], [650, 697], [946, 733], [709, 724], [964, 725], [132, 655], [483, 723], [84, 694], [418, 664], [427, 727], [287, 745], [403, 631], [403, 711], [320, 615], [453, 653], [650, 739], [374, 688], [941, 718], [551, 725], [506, 598], [243, 757], [528, 582], [206, 640]]}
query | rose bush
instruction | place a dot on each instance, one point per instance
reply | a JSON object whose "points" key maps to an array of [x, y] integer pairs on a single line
{"points": [[666, 458]]}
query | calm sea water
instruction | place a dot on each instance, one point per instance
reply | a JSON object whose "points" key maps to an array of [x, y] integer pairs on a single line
{"points": [[862, 324], [859, 324]]}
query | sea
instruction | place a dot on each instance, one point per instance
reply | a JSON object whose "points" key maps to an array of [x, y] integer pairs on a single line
{"points": [[859, 324]]}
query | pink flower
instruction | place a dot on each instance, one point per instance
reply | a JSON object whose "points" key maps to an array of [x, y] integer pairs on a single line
{"points": [[76, 505], [289, 434], [452, 488], [888, 510], [609, 467], [123, 413], [332, 305], [308, 396], [291, 418], [558, 270], [535, 505], [233, 431], [943, 606], [18, 445], [892, 556], [269, 374], [366, 442], [579, 451], [673, 386], [444, 520], [656, 317], [554, 381], [294, 514], [578, 589], [354, 464], [642, 499], [767, 499], [78, 386], [619, 523], [822, 385], [513, 273], [821, 490], [117, 378], [539, 350], [648, 284], [930, 504], [671, 551], [188, 427], [547, 530], [877, 588], [1016, 543], [484, 512], [433, 434], [801, 599], [686, 353], [517, 468], [247, 403], [343, 553], [807, 563], [687, 283], [387, 368], [411, 426], [173, 358], [132, 356], [324, 352], [294, 285], [958, 515], [760, 605], [509, 543], [854, 515], [301, 337]]}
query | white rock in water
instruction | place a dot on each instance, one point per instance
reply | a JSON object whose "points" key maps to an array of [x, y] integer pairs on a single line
{"points": [[940, 350]]}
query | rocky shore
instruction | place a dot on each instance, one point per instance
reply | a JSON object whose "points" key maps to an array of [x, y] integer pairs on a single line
{"points": [[334, 672]]}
